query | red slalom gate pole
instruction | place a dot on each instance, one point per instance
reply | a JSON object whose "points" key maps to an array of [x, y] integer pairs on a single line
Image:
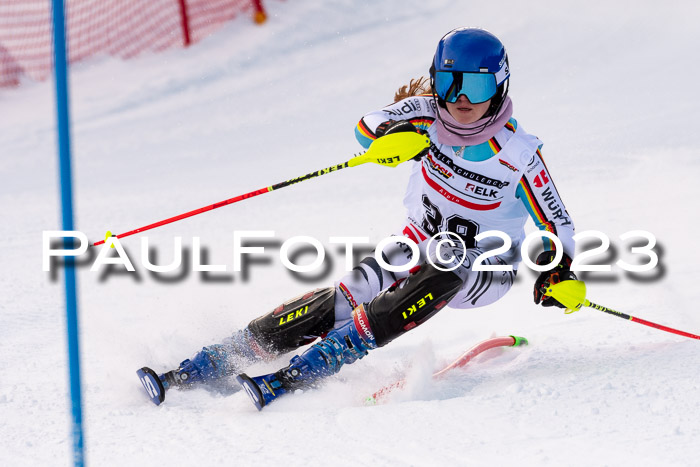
{"points": [[260, 16], [185, 21]]}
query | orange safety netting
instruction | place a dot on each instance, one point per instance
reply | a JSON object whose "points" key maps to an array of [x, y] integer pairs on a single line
{"points": [[123, 28]]}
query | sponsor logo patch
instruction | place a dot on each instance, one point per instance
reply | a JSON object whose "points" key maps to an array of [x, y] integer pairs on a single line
{"points": [[412, 105], [554, 206], [506, 164], [362, 323], [439, 168], [473, 176], [481, 191], [419, 304], [293, 315], [542, 179]]}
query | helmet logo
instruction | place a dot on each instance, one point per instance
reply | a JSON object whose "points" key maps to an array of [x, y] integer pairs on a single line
{"points": [[449, 62]]}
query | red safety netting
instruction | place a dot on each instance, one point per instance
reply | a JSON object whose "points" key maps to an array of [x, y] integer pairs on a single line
{"points": [[123, 28]]}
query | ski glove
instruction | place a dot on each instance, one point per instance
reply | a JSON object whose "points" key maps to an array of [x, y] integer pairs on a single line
{"points": [[393, 126], [558, 273]]}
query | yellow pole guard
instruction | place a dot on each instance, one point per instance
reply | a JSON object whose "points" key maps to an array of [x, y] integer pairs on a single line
{"points": [[392, 149], [571, 294]]}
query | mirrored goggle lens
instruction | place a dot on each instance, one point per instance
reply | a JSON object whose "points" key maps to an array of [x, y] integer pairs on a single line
{"points": [[478, 87]]}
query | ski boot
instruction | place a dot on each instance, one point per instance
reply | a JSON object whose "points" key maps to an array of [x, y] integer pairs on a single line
{"points": [[294, 323], [209, 365], [343, 345]]}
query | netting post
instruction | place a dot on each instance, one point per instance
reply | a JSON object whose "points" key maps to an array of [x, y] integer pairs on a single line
{"points": [[185, 22], [63, 123], [259, 15]]}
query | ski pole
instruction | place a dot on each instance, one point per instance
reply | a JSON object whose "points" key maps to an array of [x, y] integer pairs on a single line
{"points": [[572, 294], [390, 150]]}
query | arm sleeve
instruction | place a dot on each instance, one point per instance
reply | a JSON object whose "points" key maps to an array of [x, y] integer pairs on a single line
{"points": [[416, 109], [541, 199]]}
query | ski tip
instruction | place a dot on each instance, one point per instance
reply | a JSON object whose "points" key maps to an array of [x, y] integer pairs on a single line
{"points": [[252, 389], [152, 384], [518, 341]]}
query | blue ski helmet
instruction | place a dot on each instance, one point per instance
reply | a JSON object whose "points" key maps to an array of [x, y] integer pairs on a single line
{"points": [[472, 62]]}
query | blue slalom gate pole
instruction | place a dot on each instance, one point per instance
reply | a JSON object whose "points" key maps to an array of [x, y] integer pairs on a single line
{"points": [[63, 118]]}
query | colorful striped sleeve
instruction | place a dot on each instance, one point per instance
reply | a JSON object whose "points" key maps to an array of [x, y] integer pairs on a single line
{"points": [[422, 123], [364, 135], [415, 109], [541, 199]]}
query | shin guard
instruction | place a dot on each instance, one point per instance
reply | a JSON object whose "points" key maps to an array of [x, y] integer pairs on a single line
{"points": [[296, 322], [411, 302]]}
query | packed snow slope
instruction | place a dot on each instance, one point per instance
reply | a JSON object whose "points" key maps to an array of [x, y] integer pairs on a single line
{"points": [[608, 86]]}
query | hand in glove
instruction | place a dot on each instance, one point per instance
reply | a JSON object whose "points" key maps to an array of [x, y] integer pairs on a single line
{"points": [[394, 126], [558, 273]]}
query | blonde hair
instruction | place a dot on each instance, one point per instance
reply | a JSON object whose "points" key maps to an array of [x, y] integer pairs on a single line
{"points": [[413, 88]]}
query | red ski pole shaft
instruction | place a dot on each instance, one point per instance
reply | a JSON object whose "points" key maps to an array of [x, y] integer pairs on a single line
{"points": [[640, 321], [572, 294], [390, 150], [226, 202]]}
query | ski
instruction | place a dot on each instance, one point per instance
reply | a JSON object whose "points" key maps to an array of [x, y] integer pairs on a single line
{"points": [[462, 360], [261, 389], [152, 384]]}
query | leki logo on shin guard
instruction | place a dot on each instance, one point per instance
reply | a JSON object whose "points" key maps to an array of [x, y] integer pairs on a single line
{"points": [[294, 315], [418, 305]]}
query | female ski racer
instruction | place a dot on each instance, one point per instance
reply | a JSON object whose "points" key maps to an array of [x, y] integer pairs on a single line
{"points": [[482, 172]]}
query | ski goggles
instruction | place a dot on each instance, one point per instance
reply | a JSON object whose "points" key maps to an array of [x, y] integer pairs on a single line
{"points": [[478, 87]]}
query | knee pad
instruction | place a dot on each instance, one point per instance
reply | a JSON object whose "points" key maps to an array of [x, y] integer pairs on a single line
{"points": [[297, 322], [411, 302]]}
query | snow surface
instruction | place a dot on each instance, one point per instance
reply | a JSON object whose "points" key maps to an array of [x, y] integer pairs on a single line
{"points": [[608, 86]]}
